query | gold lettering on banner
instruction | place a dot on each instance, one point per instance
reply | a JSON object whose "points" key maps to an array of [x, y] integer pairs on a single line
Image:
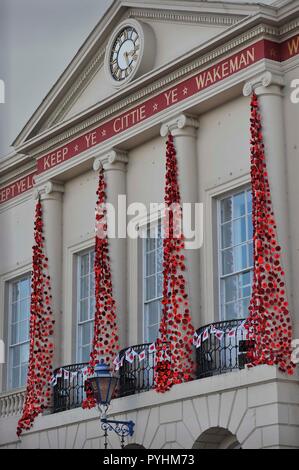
{"points": [[55, 158], [227, 68], [293, 46], [129, 119], [171, 96], [91, 139]]}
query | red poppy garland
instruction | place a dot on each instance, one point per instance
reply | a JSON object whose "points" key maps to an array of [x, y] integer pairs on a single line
{"points": [[174, 363], [105, 338], [269, 323], [38, 391]]}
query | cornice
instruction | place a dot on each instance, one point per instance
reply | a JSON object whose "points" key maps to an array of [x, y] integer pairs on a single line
{"points": [[189, 18], [158, 85]]}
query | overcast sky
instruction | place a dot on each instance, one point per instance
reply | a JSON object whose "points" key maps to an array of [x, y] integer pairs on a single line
{"points": [[38, 38]]}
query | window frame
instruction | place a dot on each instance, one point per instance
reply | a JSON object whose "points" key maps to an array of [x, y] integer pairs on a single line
{"points": [[220, 277], [153, 223], [78, 348], [10, 346]]}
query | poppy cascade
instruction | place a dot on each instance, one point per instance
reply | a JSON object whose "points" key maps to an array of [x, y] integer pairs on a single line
{"points": [[40, 367], [105, 338], [269, 324], [174, 363]]}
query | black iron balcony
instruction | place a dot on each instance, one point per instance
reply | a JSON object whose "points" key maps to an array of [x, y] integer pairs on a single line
{"points": [[221, 352], [68, 392], [218, 353], [139, 376]]}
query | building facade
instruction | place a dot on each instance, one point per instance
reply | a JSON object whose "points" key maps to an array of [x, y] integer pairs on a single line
{"points": [[147, 69]]}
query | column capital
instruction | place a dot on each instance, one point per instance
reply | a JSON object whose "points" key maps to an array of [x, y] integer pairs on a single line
{"points": [[264, 83], [114, 159], [49, 190], [183, 124]]}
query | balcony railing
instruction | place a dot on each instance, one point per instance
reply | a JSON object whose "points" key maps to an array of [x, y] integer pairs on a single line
{"points": [[139, 376], [11, 403], [217, 354], [223, 352], [68, 393]]}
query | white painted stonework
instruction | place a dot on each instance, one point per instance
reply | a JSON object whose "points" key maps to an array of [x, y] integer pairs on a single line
{"points": [[256, 408]]}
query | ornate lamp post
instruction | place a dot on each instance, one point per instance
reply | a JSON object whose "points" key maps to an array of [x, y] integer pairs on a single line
{"points": [[103, 386]]}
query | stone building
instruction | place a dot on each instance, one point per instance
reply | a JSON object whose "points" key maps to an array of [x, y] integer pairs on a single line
{"points": [[188, 67]]}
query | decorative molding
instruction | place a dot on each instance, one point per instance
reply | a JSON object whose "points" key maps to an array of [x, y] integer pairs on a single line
{"points": [[157, 86], [47, 189], [180, 122], [113, 159], [264, 80], [11, 403], [191, 18], [78, 87]]}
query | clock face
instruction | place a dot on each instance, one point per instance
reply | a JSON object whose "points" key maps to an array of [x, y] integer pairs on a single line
{"points": [[124, 53]]}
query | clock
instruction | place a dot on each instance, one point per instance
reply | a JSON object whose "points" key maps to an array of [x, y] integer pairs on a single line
{"points": [[130, 52], [124, 53]]}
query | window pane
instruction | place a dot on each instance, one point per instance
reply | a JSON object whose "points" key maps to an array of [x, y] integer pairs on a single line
{"points": [[150, 242], [23, 331], [250, 228], [250, 255], [160, 285], [153, 313], [83, 310], [15, 377], [227, 262], [15, 292], [85, 353], [84, 284], [226, 210], [240, 231], [16, 356], [24, 310], [239, 205], [85, 334], [153, 333], [160, 261], [24, 353], [24, 370], [231, 311], [151, 288], [227, 235], [231, 289], [249, 201], [84, 265], [240, 254], [150, 264], [14, 334], [244, 308], [15, 316]]}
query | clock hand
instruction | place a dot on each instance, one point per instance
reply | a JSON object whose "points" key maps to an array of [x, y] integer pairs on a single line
{"points": [[126, 56]]}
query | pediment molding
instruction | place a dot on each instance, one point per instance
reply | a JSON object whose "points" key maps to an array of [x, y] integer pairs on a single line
{"points": [[157, 85], [187, 18], [97, 61]]}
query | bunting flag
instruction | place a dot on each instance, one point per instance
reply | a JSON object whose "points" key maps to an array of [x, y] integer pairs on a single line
{"points": [[38, 389], [269, 323], [105, 338], [176, 330]]}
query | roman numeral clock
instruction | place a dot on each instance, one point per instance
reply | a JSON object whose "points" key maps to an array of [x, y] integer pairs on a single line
{"points": [[130, 52]]}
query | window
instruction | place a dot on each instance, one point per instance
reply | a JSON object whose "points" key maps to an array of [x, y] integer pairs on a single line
{"points": [[235, 254], [19, 321], [153, 282], [86, 305]]}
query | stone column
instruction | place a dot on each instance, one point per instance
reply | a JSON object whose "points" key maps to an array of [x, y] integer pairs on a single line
{"points": [[115, 166], [268, 88], [184, 130], [51, 194]]}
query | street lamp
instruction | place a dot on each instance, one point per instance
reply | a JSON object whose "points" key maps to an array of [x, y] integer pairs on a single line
{"points": [[103, 386]]}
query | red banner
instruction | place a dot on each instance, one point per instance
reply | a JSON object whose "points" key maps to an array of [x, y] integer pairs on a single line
{"points": [[18, 187], [263, 49]]}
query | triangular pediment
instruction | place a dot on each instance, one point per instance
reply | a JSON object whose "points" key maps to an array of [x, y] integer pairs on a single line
{"points": [[178, 28]]}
